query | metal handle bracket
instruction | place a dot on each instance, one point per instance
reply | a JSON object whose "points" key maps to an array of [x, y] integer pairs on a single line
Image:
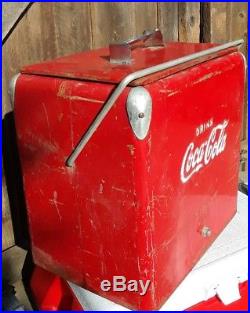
{"points": [[120, 53]]}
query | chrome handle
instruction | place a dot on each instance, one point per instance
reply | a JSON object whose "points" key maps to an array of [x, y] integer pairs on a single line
{"points": [[120, 53], [133, 76]]}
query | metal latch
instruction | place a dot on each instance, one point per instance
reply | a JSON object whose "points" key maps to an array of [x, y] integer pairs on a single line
{"points": [[120, 53]]}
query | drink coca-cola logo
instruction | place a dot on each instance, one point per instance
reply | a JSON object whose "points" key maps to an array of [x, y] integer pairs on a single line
{"points": [[196, 157]]}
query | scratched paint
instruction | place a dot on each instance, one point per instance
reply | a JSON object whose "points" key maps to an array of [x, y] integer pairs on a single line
{"points": [[122, 208], [62, 93]]}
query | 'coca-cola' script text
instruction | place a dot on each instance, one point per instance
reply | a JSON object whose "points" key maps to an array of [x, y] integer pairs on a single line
{"points": [[196, 157]]}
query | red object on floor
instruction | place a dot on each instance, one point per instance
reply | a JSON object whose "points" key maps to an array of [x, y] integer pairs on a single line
{"points": [[52, 293], [214, 304]]}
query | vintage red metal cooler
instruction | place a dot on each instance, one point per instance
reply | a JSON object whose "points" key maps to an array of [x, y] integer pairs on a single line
{"points": [[130, 158]]}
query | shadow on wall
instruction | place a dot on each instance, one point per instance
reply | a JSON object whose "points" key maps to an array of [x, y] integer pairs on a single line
{"points": [[12, 170]]}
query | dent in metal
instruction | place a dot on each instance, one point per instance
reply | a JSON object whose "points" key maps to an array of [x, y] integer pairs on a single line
{"points": [[139, 108], [131, 77], [12, 88]]}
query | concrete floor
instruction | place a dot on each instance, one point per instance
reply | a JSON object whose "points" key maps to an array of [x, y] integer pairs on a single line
{"points": [[22, 296], [13, 260]]}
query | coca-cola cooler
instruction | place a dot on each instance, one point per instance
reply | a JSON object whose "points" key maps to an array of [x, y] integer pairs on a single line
{"points": [[130, 158]]}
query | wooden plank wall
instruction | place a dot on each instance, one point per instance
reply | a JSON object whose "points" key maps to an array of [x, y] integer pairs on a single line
{"points": [[48, 30]]}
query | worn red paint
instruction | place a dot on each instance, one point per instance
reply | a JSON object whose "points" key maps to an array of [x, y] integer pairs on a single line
{"points": [[123, 208]]}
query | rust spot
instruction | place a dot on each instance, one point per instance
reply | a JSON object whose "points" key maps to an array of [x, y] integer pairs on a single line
{"points": [[131, 149]]}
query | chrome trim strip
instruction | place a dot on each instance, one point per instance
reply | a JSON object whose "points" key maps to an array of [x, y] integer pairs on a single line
{"points": [[12, 88], [131, 77]]}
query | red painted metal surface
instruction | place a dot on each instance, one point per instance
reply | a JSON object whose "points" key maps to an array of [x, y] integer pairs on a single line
{"points": [[95, 65], [130, 207], [215, 304]]}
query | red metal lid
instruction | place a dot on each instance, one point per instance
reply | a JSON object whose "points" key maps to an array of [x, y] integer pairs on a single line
{"points": [[95, 65]]}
